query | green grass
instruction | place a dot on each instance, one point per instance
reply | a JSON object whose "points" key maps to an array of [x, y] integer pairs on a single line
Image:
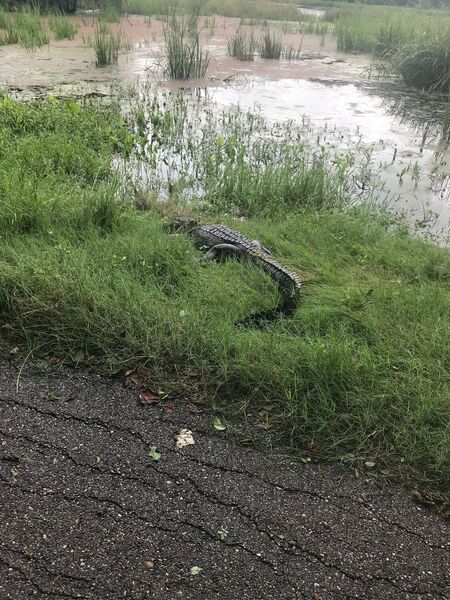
{"points": [[254, 9], [362, 366], [185, 58], [62, 27], [106, 45], [24, 27], [415, 43], [242, 45]]}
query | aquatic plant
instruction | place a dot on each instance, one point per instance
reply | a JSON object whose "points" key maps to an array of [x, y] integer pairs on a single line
{"points": [[425, 63], [242, 45], [413, 43], [106, 45], [270, 45], [292, 53], [62, 27], [185, 57], [24, 27]]}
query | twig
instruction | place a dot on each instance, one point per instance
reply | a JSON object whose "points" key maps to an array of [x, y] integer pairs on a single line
{"points": [[21, 369]]}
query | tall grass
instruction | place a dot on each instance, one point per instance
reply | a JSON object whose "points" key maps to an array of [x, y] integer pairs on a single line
{"points": [[106, 45], [23, 27], [242, 45], [185, 58], [361, 368], [256, 9], [110, 13], [292, 53], [270, 45], [414, 43], [62, 27]]}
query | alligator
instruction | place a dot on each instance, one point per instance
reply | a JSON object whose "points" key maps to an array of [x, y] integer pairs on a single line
{"points": [[221, 241]]}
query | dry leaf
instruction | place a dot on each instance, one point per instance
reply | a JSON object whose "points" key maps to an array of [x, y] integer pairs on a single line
{"points": [[184, 438], [149, 398]]}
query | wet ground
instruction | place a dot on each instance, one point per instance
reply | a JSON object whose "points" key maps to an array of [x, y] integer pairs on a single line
{"points": [[398, 132], [88, 513]]}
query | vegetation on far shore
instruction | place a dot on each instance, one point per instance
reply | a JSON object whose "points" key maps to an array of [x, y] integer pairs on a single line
{"points": [[92, 278], [414, 43]]}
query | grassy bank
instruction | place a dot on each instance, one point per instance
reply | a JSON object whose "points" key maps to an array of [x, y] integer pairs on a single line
{"points": [[360, 371], [247, 9], [415, 43]]}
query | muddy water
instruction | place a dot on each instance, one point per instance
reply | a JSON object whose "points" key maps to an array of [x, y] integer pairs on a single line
{"points": [[396, 131]]}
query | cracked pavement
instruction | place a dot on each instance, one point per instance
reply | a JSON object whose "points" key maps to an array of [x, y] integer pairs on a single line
{"points": [[86, 513]]}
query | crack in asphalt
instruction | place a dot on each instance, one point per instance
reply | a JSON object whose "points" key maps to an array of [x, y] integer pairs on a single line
{"points": [[111, 425], [268, 546]]}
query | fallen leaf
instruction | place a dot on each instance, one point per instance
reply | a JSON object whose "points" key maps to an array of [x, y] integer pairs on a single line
{"points": [[169, 410], [194, 410], [149, 398], [184, 438], [247, 442], [218, 424], [79, 356], [196, 570], [154, 454], [369, 464]]}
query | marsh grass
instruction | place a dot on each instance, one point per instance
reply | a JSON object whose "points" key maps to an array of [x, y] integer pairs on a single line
{"points": [[425, 63], [23, 27], [270, 45], [360, 370], [110, 13], [62, 27], [185, 58], [106, 45], [242, 45], [413, 43], [292, 53], [253, 9]]}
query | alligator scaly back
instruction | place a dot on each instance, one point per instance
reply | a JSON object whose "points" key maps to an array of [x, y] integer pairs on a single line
{"points": [[220, 240]]}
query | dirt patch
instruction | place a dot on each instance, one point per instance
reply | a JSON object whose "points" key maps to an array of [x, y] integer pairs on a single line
{"points": [[90, 511]]}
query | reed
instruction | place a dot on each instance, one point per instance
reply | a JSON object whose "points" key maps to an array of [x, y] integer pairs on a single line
{"points": [[185, 58], [270, 45], [62, 27], [106, 45]]}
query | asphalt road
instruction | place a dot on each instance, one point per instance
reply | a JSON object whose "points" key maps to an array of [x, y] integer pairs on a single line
{"points": [[87, 513]]}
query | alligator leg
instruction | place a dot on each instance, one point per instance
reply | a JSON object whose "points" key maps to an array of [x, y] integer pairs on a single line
{"points": [[221, 250], [260, 247]]}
